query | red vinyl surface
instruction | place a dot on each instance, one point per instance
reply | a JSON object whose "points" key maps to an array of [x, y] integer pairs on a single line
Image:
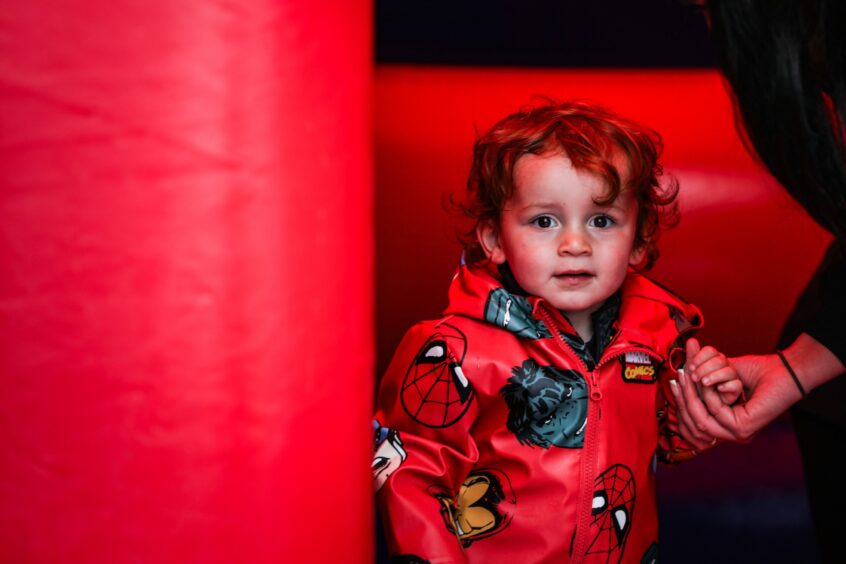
{"points": [[742, 251], [186, 288]]}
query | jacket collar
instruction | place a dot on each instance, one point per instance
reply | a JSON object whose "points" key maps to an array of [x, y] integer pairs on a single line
{"points": [[649, 314]]}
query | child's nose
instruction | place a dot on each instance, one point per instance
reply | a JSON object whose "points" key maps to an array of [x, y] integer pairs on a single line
{"points": [[573, 242]]}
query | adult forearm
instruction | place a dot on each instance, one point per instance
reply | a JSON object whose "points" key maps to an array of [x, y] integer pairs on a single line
{"points": [[813, 363]]}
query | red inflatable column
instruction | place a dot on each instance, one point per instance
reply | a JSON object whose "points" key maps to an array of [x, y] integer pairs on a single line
{"points": [[185, 297]]}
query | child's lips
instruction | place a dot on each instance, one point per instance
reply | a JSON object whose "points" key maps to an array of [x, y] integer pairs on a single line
{"points": [[574, 277]]}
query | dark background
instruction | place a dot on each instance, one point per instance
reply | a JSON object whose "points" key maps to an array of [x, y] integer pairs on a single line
{"points": [[562, 33]]}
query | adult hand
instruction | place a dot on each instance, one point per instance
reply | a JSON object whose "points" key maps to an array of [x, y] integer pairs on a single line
{"points": [[689, 401], [770, 391]]}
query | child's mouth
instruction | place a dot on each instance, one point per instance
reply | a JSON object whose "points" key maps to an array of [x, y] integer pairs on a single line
{"points": [[574, 277]]}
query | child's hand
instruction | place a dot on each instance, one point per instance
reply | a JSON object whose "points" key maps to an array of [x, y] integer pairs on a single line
{"points": [[713, 371]]}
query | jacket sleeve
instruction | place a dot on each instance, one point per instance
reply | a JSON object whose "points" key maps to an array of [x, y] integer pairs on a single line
{"points": [[672, 447], [424, 448], [824, 319]]}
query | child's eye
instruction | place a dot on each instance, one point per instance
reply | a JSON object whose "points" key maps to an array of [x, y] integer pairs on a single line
{"points": [[601, 221], [544, 221]]}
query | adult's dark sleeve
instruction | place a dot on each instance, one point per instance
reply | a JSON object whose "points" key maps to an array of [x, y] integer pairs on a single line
{"points": [[820, 419], [821, 313], [827, 325]]}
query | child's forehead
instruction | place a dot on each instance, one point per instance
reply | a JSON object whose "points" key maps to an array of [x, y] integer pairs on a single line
{"points": [[536, 176], [612, 157]]}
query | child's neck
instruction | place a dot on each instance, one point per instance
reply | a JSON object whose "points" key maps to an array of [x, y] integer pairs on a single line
{"points": [[582, 322]]}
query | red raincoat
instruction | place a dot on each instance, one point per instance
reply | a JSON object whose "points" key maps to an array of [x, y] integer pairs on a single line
{"points": [[496, 443]]}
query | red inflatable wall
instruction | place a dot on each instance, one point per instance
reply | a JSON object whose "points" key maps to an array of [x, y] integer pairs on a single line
{"points": [[185, 297]]}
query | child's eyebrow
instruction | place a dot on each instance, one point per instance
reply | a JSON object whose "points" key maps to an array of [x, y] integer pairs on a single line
{"points": [[541, 205], [615, 205]]}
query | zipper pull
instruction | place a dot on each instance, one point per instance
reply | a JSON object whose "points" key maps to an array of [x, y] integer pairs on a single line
{"points": [[595, 393]]}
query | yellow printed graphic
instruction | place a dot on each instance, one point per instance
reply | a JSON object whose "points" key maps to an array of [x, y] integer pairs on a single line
{"points": [[639, 372]]}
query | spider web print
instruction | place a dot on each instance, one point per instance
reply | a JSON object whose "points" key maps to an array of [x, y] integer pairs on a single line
{"points": [[435, 392], [614, 496]]}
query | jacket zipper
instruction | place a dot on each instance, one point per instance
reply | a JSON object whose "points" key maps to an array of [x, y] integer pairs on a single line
{"points": [[588, 466]]}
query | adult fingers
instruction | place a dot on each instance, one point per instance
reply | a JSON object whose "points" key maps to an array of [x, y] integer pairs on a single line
{"points": [[686, 428], [686, 396], [736, 420], [699, 412]]}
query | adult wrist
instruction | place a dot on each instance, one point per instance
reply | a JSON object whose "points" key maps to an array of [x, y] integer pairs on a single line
{"points": [[812, 362], [792, 374]]}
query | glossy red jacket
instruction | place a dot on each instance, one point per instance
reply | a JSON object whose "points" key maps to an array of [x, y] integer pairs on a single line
{"points": [[496, 443]]}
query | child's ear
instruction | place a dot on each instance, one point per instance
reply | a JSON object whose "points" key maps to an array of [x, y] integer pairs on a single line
{"points": [[487, 233], [637, 255]]}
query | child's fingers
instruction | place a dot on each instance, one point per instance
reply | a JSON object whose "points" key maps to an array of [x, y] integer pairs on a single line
{"points": [[731, 387], [691, 349], [707, 361], [705, 353], [699, 356], [730, 392], [719, 375]]}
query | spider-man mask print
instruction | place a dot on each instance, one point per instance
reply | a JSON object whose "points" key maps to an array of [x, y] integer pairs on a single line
{"points": [[613, 505], [435, 391]]}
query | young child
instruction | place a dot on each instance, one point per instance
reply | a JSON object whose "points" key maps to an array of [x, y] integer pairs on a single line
{"points": [[523, 425]]}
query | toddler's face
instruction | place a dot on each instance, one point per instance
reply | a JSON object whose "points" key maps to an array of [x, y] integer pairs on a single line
{"points": [[561, 245]]}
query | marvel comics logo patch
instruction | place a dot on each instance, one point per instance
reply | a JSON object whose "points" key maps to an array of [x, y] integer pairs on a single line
{"points": [[638, 367]]}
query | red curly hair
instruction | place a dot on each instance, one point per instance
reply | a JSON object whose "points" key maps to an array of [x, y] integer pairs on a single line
{"points": [[592, 138]]}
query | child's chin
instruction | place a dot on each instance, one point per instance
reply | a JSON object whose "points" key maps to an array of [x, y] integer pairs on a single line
{"points": [[575, 307]]}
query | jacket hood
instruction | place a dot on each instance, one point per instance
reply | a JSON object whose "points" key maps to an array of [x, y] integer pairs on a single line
{"points": [[650, 315]]}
